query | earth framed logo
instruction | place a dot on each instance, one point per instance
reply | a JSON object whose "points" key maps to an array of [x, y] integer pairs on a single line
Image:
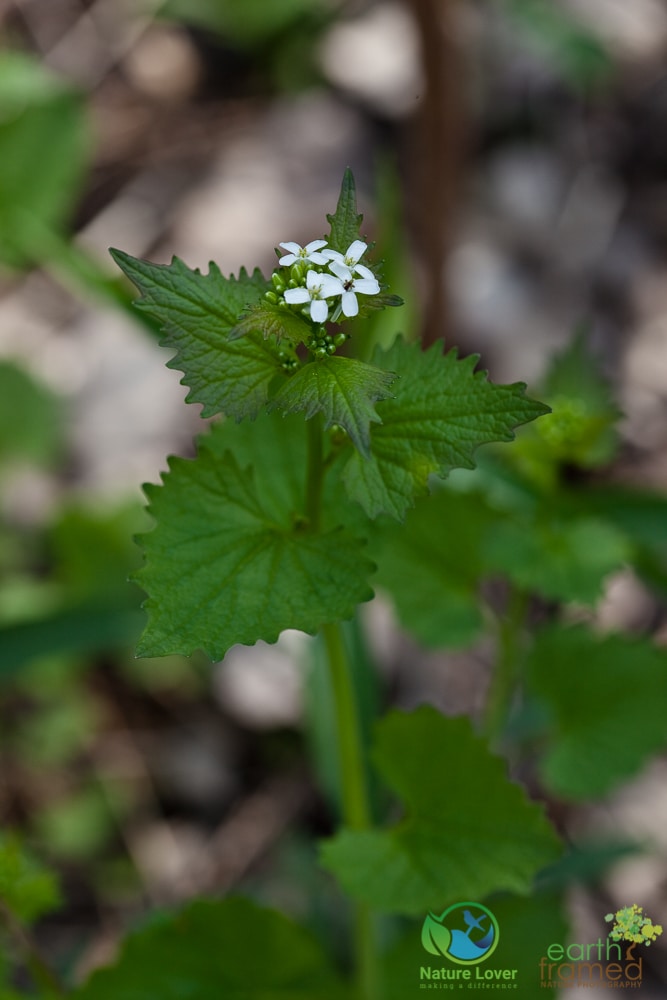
{"points": [[465, 933]]}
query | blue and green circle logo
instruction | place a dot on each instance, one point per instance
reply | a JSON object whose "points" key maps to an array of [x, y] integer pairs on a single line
{"points": [[466, 933]]}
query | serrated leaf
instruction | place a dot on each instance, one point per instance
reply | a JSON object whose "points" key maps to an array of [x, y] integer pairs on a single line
{"points": [[270, 319], [442, 411], [438, 551], [468, 830], [230, 949], [343, 390], [232, 559], [197, 312], [345, 222], [607, 698], [27, 888], [43, 156], [563, 560]]}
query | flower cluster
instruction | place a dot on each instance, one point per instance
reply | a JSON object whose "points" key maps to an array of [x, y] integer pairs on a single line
{"points": [[630, 924], [312, 286]]}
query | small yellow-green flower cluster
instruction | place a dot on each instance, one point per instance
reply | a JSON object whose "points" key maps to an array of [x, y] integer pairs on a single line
{"points": [[630, 924]]}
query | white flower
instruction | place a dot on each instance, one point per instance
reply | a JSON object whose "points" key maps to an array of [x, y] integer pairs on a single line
{"points": [[298, 253], [367, 284], [318, 288], [350, 258]]}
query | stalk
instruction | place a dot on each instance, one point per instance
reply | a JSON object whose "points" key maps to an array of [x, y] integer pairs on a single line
{"points": [[510, 630], [354, 789], [355, 799]]}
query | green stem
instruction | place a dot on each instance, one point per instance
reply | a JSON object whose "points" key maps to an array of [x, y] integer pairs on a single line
{"points": [[43, 975], [355, 798], [353, 779], [503, 684], [356, 811]]}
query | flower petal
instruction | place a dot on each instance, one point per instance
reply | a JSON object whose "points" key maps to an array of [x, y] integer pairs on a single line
{"points": [[292, 247], [314, 245], [289, 258], [319, 311], [294, 295], [333, 255], [356, 250], [350, 304], [365, 272], [367, 286], [330, 286], [341, 271]]}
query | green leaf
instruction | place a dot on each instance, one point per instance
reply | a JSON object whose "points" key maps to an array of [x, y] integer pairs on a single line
{"points": [[230, 949], [563, 560], [232, 558], [587, 862], [79, 630], [248, 24], [31, 417], [641, 517], [345, 222], [442, 411], [197, 313], [437, 552], [468, 830], [607, 697], [581, 430], [527, 927], [270, 319], [27, 888], [43, 156], [343, 389]]}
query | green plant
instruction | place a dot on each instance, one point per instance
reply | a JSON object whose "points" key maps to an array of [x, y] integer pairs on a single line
{"points": [[268, 529], [322, 480]]}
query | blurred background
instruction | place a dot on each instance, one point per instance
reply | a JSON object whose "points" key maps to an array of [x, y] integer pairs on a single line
{"points": [[511, 164]]}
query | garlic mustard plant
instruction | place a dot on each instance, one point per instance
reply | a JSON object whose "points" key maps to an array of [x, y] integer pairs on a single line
{"points": [[273, 526]]}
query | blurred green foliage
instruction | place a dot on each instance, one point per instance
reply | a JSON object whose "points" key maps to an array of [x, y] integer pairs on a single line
{"points": [[280, 39], [31, 419], [44, 155]]}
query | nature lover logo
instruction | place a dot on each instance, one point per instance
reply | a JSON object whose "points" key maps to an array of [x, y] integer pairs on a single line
{"points": [[466, 933]]}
